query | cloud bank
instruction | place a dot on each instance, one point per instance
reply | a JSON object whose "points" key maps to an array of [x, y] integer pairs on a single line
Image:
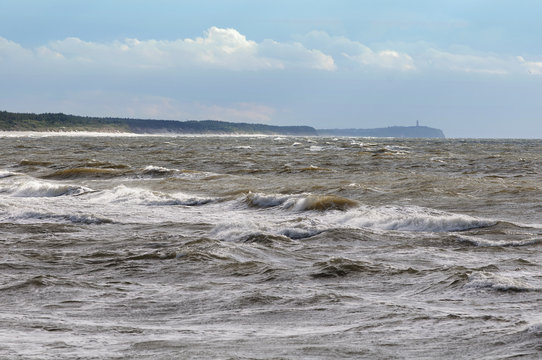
{"points": [[229, 50], [224, 49]]}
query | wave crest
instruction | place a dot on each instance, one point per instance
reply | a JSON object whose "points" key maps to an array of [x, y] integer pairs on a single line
{"points": [[124, 194], [300, 202], [411, 218], [490, 281], [324, 202], [83, 172], [34, 188]]}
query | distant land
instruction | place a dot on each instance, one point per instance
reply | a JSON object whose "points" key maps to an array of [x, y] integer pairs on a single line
{"points": [[392, 131], [10, 121]]}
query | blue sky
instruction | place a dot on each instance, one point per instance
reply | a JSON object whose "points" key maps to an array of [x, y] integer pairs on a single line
{"points": [[470, 68]]}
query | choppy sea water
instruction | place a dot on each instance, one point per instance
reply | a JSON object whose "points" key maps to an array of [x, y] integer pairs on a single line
{"points": [[119, 247]]}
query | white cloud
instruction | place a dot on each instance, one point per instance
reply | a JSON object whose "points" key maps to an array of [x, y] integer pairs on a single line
{"points": [[532, 67], [484, 64], [419, 56], [10, 51], [225, 49], [296, 55], [387, 59], [360, 54], [229, 50]]}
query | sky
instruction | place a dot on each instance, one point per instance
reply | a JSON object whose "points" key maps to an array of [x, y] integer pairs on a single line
{"points": [[472, 68]]}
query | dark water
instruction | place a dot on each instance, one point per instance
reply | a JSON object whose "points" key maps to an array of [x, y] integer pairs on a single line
{"points": [[269, 248]]}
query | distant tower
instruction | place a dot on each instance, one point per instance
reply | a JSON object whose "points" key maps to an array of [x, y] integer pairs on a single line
{"points": [[417, 123]]}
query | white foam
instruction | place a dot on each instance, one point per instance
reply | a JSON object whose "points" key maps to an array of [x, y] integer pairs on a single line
{"points": [[236, 229], [180, 199], [397, 218], [86, 219], [491, 281], [42, 134], [535, 328], [5, 174], [158, 170], [397, 149], [266, 200], [38, 188], [300, 202], [409, 218], [500, 243], [138, 196]]}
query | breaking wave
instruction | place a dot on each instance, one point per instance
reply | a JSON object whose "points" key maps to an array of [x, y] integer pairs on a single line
{"points": [[477, 241], [301, 202], [410, 218], [490, 281], [152, 170], [6, 174], [124, 194], [35, 188]]}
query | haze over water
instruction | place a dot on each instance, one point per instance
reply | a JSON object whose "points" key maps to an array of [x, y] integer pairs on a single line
{"points": [[144, 247]]}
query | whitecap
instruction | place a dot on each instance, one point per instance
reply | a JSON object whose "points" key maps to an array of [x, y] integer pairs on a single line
{"points": [[124, 194], [179, 199], [535, 328], [410, 218], [158, 170], [6, 174], [322, 203], [265, 200], [234, 230], [302, 202], [499, 243], [36, 188], [491, 281], [86, 219]]}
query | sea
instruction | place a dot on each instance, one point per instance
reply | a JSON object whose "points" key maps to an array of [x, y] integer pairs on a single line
{"points": [[269, 247]]}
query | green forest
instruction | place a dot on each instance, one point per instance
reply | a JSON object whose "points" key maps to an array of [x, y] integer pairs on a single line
{"points": [[10, 121], [61, 122]]}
